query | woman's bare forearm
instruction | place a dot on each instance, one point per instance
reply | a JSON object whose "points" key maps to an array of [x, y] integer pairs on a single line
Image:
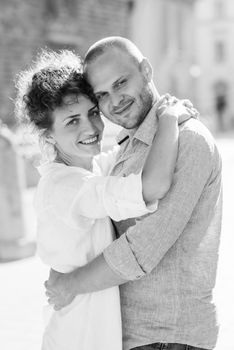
{"points": [[159, 166]]}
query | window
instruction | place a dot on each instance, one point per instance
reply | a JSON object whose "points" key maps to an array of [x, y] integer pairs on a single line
{"points": [[130, 6], [51, 8], [71, 6], [61, 7], [165, 27], [219, 51], [219, 8]]}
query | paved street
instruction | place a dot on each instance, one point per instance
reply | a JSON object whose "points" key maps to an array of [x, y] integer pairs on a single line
{"points": [[21, 292]]}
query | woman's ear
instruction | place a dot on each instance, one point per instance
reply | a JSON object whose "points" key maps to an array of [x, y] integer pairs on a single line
{"points": [[146, 69], [50, 139]]}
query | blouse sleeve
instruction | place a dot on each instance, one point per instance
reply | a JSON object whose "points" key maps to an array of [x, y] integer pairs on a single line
{"points": [[106, 160], [93, 197]]}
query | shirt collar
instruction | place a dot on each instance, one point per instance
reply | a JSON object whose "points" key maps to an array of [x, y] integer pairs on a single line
{"points": [[145, 132], [47, 167]]}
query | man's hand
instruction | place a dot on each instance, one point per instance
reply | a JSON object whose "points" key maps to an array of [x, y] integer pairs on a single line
{"points": [[59, 289]]}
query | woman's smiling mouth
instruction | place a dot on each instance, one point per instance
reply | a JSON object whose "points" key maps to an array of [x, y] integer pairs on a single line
{"points": [[90, 141]]}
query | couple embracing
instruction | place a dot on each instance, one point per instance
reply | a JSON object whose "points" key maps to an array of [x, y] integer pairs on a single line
{"points": [[131, 235]]}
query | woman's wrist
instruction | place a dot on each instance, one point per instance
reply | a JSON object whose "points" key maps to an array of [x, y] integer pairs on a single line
{"points": [[168, 118]]}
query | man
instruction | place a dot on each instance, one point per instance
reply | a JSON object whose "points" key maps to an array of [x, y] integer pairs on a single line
{"points": [[166, 262]]}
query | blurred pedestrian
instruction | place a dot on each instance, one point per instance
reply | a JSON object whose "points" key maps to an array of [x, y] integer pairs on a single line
{"points": [[221, 105]]}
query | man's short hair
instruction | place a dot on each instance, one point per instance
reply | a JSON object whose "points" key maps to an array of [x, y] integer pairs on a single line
{"points": [[103, 45]]}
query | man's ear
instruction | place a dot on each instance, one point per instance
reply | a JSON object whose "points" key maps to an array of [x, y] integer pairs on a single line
{"points": [[146, 69]]}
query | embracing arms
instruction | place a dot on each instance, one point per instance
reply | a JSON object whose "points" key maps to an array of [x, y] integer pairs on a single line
{"points": [[158, 170]]}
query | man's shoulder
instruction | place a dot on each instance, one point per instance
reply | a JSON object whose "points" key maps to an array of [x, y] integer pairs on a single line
{"points": [[195, 132]]}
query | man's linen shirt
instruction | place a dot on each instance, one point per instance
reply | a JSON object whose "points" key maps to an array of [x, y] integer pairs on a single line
{"points": [[171, 256]]}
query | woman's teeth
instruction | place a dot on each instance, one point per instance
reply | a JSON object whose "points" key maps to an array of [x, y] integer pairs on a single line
{"points": [[88, 141]]}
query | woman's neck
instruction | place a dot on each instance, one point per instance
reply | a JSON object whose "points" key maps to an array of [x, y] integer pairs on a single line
{"points": [[86, 163]]}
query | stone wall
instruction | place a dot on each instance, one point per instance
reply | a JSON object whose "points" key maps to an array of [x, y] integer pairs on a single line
{"points": [[20, 34], [27, 25]]}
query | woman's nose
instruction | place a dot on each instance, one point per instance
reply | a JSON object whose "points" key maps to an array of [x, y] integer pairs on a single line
{"points": [[89, 126]]}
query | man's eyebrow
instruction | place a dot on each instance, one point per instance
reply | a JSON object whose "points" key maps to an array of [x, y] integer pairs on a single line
{"points": [[119, 79], [113, 84]]}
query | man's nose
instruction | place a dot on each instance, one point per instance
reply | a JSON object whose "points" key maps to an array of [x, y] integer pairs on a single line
{"points": [[116, 99]]}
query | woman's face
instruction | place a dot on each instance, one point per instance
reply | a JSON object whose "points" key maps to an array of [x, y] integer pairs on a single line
{"points": [[77, 129]]}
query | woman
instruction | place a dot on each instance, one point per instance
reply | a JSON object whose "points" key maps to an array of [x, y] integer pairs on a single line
{"points": [[76, 198]]}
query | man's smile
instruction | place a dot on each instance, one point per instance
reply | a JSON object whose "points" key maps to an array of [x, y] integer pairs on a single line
{"points": [[123, 109]]}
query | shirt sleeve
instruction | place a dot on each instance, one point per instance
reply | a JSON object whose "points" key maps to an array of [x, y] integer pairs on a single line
{"points": [[141, 248], [95, 197]]}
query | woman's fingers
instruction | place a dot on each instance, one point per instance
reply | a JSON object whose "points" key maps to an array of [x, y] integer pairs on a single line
{"points": [[49, 293], [187, 103], [161, 110]]}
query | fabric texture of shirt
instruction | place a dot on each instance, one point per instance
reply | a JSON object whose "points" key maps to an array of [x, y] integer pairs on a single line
{"points": [[170, 257], [73, 207]]}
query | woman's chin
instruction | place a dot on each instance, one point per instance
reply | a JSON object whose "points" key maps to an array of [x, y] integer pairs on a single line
{"points": [[96, 149], [92, 152]]}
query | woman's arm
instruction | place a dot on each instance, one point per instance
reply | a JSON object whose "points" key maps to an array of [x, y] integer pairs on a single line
{"points": [[83, 193], [160, 163]]}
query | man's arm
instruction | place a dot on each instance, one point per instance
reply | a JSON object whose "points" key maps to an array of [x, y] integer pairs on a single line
{"points": [[150, 239], [62, 288]]}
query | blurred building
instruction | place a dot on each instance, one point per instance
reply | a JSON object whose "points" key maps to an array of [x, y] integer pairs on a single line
{"points": [[214, 61], [163, 30], [28, 25]]}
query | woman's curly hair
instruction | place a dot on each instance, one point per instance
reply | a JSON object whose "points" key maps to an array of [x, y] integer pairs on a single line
{"points": [[42, 87]]}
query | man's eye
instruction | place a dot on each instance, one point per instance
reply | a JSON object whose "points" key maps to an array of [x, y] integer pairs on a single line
{"points": [[121, 83]]}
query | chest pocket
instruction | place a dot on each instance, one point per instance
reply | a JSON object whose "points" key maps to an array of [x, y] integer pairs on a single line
{"points": [[131, 160]]}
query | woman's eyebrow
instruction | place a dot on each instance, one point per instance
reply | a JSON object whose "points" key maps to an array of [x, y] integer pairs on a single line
{"points": [[71, 116]]}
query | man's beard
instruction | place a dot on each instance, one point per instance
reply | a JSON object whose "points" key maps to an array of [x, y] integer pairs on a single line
{"points": [[146, 99]]}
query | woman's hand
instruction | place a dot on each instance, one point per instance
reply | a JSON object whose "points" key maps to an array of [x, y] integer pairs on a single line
{"points": [[171, 107]]}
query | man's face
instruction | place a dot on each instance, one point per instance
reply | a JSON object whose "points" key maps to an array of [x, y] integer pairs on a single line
{"points": [[121, 87]]}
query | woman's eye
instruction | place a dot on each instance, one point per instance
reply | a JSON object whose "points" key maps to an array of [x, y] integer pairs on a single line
{"points": [[73, 122]]}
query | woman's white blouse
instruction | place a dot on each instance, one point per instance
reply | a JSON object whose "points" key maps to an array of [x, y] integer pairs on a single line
{"points": [[73, 208]]}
